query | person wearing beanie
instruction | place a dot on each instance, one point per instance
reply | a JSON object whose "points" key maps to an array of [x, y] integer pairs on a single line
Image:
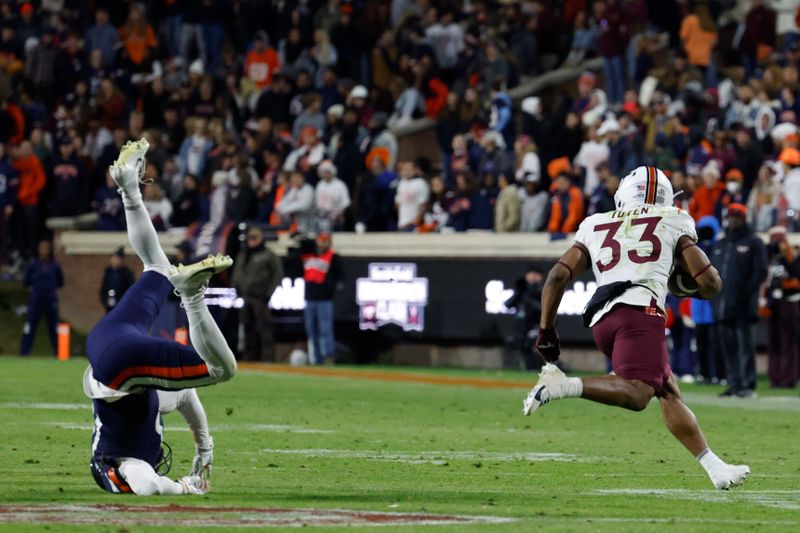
{"points": [[741, 258], [322, 272], [117, 279], [331, 196], [256, 274], [566, 207], [710, 197]]}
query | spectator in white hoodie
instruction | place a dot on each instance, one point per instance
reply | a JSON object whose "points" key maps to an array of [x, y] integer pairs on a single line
{"points": [[297, 204], [331, 196], [308, 155], [411, 197], [593, 151]]}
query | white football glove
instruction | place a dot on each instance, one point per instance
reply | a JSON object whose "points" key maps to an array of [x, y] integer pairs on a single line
{"points": [[194, 485], [203, 458]]}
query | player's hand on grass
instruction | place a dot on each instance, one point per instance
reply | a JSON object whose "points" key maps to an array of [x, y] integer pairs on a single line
{"points": [[204, 457], [548, 344], [194, 485]]}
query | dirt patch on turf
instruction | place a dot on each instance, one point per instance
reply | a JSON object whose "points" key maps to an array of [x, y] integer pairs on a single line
{"points": [[406, 377], [190, 516]]}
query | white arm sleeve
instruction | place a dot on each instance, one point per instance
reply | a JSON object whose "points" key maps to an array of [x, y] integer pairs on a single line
{"points": [[144, 481]]}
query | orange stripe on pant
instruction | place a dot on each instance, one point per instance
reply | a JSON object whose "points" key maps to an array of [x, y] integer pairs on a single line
{"points": [[121, 485], [168, 372]]}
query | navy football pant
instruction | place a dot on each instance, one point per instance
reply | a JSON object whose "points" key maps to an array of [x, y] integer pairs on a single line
{"points": [[123, 354]]}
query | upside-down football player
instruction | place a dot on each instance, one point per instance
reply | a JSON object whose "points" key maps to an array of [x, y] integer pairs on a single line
{"points": [[636, 253], [133, 377]]}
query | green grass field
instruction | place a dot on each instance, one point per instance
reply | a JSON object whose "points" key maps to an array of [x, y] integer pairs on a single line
{"points": [[289, 442]]}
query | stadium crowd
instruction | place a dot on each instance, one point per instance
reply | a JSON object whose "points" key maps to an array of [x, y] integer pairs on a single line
{"points": [[287, 113], [284, 112]]}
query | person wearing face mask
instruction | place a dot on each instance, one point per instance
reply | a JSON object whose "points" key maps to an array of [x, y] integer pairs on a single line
{"points": [[783, 304], [733, 184], [741, 259]]}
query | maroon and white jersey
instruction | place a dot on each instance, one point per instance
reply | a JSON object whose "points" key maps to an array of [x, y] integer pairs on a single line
{"points": [[636, 244]]}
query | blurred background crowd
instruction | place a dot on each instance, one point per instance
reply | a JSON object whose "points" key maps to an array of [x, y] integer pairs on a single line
{"points": [[287, 113]]}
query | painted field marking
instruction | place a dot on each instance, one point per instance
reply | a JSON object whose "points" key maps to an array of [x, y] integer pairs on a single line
{"points": [[218, 428], [679, 521], [700, 474], [764, 403], [46, 406], [777, 499], [432, 457], [191, 516]]}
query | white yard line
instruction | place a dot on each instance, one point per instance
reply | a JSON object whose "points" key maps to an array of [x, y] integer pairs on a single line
{"points": [[218, 428], [46, 406], [431, 457], [679, 521], [777, 499], [764, 403]]}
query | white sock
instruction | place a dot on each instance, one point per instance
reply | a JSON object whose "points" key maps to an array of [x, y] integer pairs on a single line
{"points": [[574, 388], [207, 339], [709, 460], [142, 235], [130, 198]]}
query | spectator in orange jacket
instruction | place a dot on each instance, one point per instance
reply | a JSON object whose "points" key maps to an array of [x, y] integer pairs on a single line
{"points": [[566, 207], [31, 182], [711, 197], [262, 61], [137, 36], [699, 36]]}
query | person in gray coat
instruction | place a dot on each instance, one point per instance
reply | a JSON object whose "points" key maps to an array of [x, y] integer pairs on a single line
{"points": [[257, 271]]}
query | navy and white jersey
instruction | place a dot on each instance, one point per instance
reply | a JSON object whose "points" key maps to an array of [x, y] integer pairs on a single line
{"points": [[128, 427]]}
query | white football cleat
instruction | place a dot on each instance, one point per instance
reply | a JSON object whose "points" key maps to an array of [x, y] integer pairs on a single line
{"points": [[128, 170], [552, 385], [191, 279], [729, 476]]}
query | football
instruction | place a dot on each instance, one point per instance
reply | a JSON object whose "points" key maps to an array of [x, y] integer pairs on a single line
{"points": [[681, 283]]}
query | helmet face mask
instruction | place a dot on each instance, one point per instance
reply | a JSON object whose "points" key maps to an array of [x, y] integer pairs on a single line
{"points": [[644, 186]]}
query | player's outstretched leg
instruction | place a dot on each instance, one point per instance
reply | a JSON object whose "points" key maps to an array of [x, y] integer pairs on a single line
{"points": [[683, 425], [127, 172], [613, 390], [190, 282], [142, 302], [633, 394]]}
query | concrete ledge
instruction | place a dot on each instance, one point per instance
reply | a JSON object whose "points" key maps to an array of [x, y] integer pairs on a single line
{"points": [[373, 245], [106, 242]]}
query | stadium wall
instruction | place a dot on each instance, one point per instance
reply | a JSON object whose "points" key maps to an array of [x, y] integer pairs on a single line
{"points": [[461, 322]]}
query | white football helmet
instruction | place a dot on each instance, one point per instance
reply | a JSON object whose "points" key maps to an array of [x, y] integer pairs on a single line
{"points": [[644, 185]]}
